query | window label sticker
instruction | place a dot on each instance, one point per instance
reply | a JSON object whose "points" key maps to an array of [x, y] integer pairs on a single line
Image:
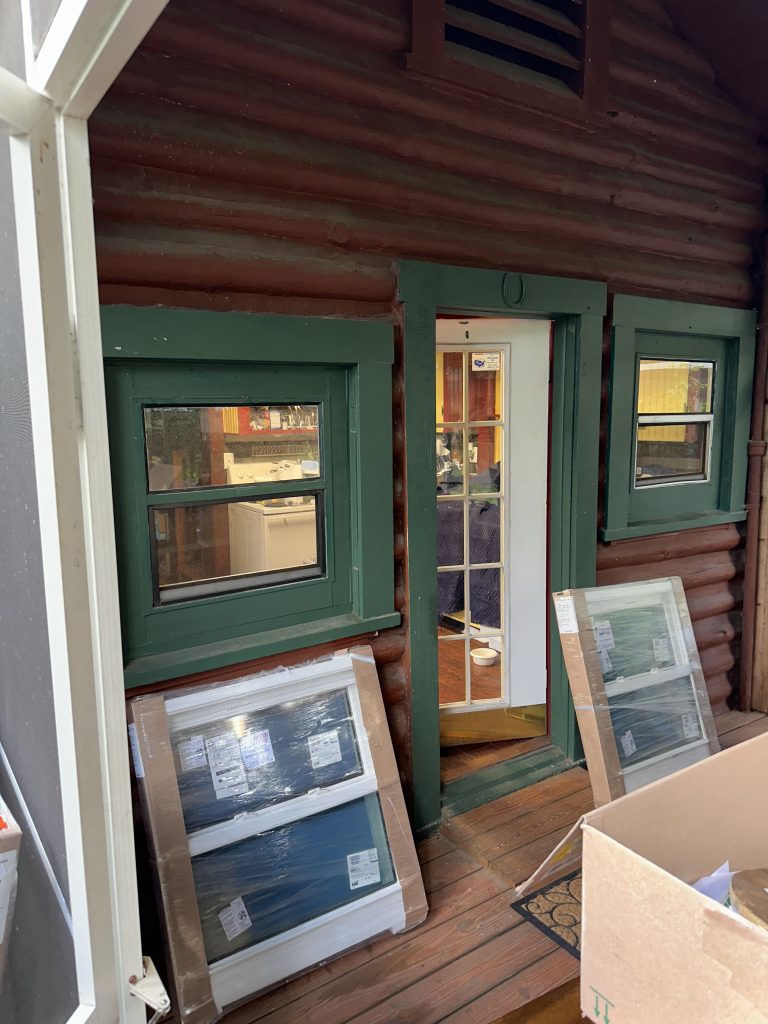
{"points": [[484, 361], [192, 754], [661, 650], [256, 749], [565, 611], [138, 764], [604, 635], [690, 726], [226, 764], [605, 661], [235, 919], [324, 748], [363, 868], [628, 743]]}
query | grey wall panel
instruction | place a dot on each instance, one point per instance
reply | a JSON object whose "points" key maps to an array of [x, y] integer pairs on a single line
{"points": [[11, 40], [40, 984], [27, 725], [43, 13]]}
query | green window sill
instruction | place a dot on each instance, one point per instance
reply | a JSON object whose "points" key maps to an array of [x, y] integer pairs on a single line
{"points": [[156, 668], [671, 525]]}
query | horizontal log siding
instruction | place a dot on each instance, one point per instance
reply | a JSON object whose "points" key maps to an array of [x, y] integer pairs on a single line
{"points": [[279, 161], [710, 562]]}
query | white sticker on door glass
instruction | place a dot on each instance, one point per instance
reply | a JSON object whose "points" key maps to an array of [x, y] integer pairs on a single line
{"points": [[628, 743], [565, 611], [485, 361], [192, 753], [324, 748], [604, 635], [363, 868], [256, 749], [226, 764], [235, 919]]}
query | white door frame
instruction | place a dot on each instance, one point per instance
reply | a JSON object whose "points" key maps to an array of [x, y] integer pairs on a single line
{"points": [[86, 47]]}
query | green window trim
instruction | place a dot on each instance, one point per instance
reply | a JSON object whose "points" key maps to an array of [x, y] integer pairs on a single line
{"points": [[659, 328], [171, 356], [577, 309]]}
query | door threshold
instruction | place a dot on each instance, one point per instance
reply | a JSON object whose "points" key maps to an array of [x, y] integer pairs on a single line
{"points": [[497, 780]]}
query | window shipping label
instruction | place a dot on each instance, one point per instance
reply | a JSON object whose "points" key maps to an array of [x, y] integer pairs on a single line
{"points": [[324, 749], [226, 764], [661, 650], [690, 726], [628, 743], [192, 753], [566, 615], [256, 749], [363, 868], [235, 919], [604, 635]]}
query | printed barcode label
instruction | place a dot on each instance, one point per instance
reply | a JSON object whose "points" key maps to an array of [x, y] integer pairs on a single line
{"points": [[661, 651], [363, 868], [566, 614], [324, 749], [628, 744], [256, 749], [138, 764], [604, 635], [235, 919], [690, 726], [226, 764], [192, 753]]}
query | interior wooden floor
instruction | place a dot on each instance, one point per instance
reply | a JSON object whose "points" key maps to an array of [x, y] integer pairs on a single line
{"points": [[474, 960]]}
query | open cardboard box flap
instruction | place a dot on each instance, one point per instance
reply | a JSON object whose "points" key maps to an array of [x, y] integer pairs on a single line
{"points": [[652, 947]]}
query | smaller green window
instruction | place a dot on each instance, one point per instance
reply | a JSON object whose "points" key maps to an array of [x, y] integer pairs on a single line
{"points": [[252, 484], [680, 397]]}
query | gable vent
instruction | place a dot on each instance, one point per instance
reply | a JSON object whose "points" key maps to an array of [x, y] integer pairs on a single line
{"points": [[535, 41]]}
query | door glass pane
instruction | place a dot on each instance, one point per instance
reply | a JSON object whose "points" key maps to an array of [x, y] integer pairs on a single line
{"points": [[451, 671], [450, 532], [485, 669], [484, 395], [214, 446], [674, 386], [450, 601], [671, 451], [209, 548], [484, 454], [485, 599], [485, 530], [449, 453], [449, 397]]}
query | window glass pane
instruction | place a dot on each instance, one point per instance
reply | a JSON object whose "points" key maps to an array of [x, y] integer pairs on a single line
{"points": [[292, 874], [485, 599], [247, 762], [212, 446], [485, 530], [450, 601], [451, 671], [484, 453], [484, 394], [217, 543], [674, 386], [671, 451], [450, 461], [485, 669], [450, 532], [449, 387], [653, 720]]}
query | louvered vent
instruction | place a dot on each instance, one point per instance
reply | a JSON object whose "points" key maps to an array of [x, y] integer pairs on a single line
{"points": [[534, 41]]}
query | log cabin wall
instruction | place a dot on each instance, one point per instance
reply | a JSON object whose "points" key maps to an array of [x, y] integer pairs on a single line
{"points": [[279, 158]]}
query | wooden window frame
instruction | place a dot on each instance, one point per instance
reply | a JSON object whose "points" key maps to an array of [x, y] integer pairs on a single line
{"points": [[356, 594], [428, 57], [682, 330]]}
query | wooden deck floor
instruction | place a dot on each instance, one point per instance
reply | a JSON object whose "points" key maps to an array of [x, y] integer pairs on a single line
{"points": [[474, 959]]}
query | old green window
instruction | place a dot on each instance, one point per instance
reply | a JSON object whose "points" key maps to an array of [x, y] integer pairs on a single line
{"points": [[679, 416], [251, 463]]}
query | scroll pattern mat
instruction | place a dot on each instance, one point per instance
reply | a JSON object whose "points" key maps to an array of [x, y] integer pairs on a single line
{"points": [[556, 910]]}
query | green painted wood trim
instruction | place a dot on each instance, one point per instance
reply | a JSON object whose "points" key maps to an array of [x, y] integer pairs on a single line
{"points": [[681, 317], [465, 288], [421, 512], [156, 668], [499, 780], [577, 307], [131, 332], [686, 330]]}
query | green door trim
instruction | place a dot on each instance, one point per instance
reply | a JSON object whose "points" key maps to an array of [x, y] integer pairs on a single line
{"points": [[577, 309]]}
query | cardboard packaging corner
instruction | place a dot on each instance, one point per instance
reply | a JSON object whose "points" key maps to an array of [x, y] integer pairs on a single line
{"points": [[10, 841], [653, 949]]}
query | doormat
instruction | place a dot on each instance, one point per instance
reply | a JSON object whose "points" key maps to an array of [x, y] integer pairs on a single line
{"points": [[555, 909]]}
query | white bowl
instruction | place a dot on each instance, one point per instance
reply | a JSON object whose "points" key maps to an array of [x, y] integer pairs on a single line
{"points": [[484, 656]]}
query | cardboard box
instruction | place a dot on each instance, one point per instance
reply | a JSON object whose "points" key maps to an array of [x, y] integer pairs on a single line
{"points": [[653, 949], [10, 842]]}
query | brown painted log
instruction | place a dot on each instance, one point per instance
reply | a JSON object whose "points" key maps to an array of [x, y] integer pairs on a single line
{"points": [[640, 34], [694, 570], [714, 631], [717, 599], [388, 646], [717, 660], [359, 24], [664, 546], [719, 689]]}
